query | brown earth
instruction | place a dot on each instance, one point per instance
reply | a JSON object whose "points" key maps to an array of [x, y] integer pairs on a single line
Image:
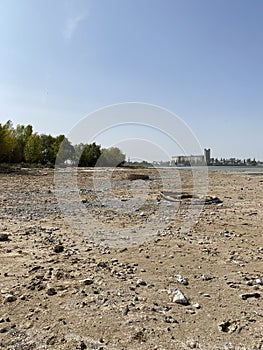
{"points": [[61, 290]]}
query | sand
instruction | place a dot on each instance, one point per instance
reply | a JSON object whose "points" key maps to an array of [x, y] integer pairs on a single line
{"points": [[80, 287]]}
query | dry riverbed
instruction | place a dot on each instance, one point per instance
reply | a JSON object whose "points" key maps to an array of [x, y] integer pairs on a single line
{"points": [[61, 288]]}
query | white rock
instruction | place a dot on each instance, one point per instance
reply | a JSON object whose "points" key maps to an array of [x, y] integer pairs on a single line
{"points": [[182, 280], [197, 306], [179, 298]]}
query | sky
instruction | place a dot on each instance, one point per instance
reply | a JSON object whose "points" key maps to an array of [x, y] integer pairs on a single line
{"points": [[200, 59]]}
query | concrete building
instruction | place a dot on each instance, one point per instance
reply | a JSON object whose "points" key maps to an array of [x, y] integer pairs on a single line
{"points": [[192, 159], [207, 153]]}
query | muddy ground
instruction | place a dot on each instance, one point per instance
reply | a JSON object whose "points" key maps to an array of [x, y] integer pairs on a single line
{"points": [[86, 286]]}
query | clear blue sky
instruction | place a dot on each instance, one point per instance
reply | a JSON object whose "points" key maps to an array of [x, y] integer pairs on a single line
{"points": [[201, 59]]}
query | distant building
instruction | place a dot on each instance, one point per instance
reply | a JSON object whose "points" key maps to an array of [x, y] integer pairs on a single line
{"points": [[207, 153], [192, 159]]}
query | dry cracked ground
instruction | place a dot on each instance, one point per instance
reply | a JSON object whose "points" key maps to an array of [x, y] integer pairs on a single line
{"points": [[200, 288]]}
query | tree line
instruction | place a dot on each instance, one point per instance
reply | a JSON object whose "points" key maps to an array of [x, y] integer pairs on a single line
{"points": [[21, 144]]}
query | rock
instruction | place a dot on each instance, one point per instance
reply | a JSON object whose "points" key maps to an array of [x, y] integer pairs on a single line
{"points": [[179, 298], [4, 237], [51, 291], [4, 330], [141, 282], [250, 295], [206, 277], [259, 281], [87, 282], [170, 319], [10, 298], [196, 305], [228, 327], [83, 346], [133, 177], [192, 344], [206, 295], [182, 280], [126, 310], [58, 248]]}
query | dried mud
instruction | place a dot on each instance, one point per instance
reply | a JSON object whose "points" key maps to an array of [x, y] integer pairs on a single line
{"points": [[60, 290]]}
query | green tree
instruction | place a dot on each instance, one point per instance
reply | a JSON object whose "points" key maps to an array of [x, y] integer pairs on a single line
{"points": [[49, 149], [21, 134], [88, 154], [111, 157], [7, 141], [32, 151], [64, 150]]}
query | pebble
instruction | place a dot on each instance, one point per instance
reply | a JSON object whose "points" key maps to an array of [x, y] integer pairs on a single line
{"points": [[87, 282], [250, 295], [10, 298], [4, 330], [58, 248], [182, 280], [83, 346], [192, 344], [141, 282], [259, 281], [196, 305], [51, 291], [179, 298], [206, 277], [4, 237]]}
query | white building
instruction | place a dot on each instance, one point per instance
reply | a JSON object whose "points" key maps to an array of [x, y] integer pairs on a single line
{"points": [[192, 159]]}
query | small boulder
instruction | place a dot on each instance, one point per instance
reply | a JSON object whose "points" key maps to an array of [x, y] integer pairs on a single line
{"points": [[10, 298], [179, 298], [51, 291], [4, 237], [141, 282], [58, 248]]}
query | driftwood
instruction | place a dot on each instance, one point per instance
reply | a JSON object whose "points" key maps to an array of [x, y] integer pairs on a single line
{"points": [[133, 177], [178, 197]]}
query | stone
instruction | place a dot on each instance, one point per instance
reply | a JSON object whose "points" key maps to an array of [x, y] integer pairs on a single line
{"points": [[250, 295], [228, 326], [182, 280], [58, 248], [4, 330], [10, 298], [4, 237], [83, 346], [192, 344], [259, 281], [196, 305], [87, 281], [126, 310], [206, 277], [141, 282], [51, 291], [179, 298]]}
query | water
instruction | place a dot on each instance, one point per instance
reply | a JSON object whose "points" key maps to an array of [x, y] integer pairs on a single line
{"points": [[242, 170]]}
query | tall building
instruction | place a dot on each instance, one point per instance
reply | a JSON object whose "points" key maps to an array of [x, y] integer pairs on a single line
{"points": [[207, 153]]}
